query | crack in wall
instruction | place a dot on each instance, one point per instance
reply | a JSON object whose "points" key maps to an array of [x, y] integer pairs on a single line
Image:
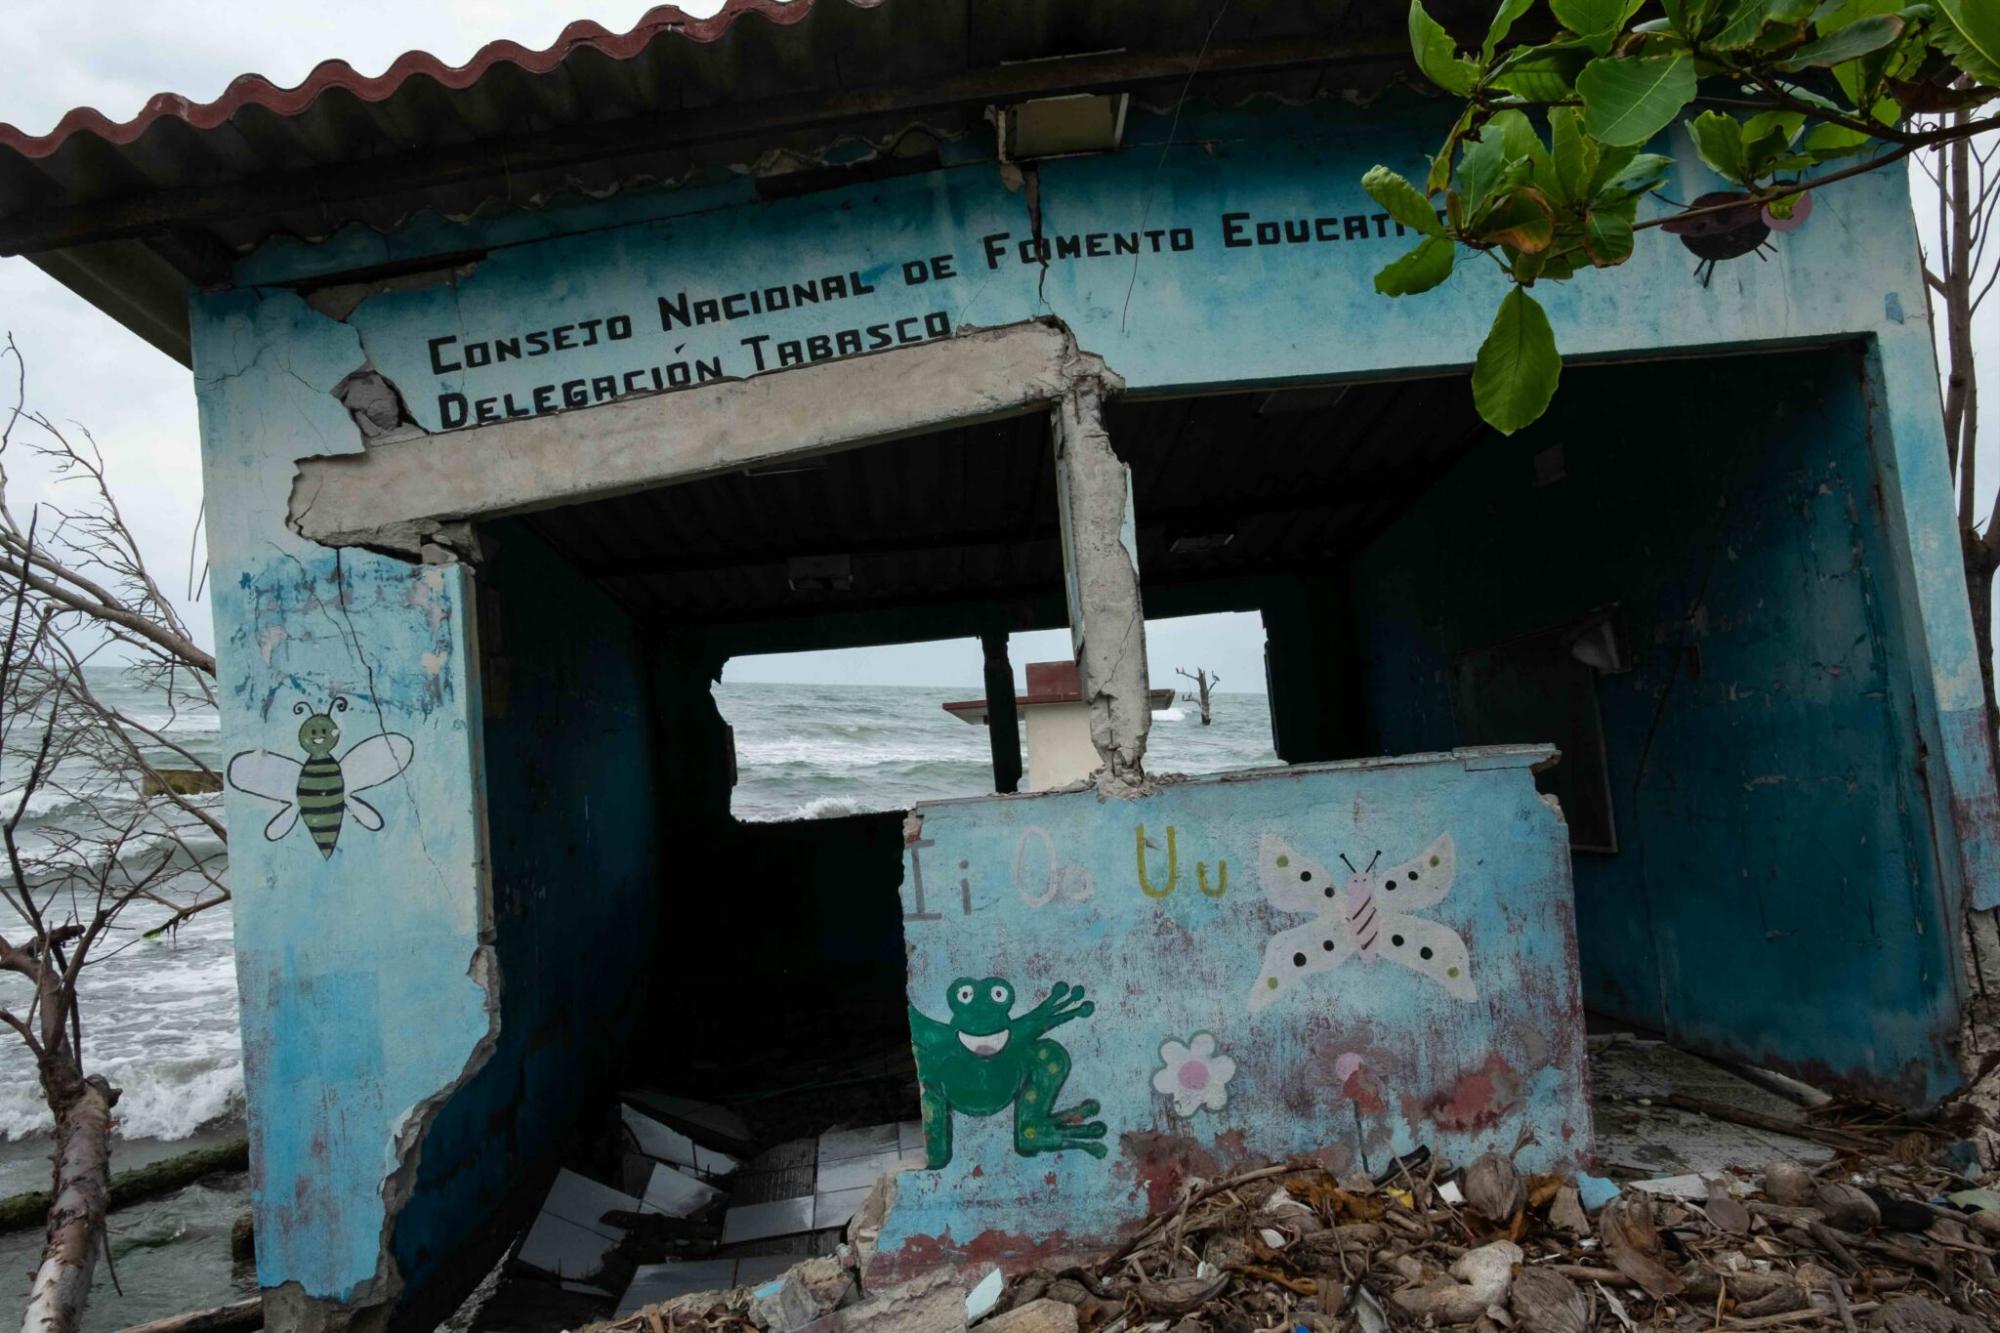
{"points": [[1072, 384], [1103, 576]]}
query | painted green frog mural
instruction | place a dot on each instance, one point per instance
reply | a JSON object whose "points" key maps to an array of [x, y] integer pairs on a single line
{"points": [[983, 1060]]}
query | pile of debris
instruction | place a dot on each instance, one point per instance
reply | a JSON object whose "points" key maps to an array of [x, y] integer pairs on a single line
{"points": [[693, 1204], [1885, 1236]]}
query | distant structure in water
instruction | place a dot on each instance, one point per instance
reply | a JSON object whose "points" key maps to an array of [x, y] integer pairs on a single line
{"points": [[1058, 720], [1204, 686]]}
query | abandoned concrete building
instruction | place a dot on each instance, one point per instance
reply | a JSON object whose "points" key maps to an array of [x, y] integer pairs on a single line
{"points": [[533, 391]]}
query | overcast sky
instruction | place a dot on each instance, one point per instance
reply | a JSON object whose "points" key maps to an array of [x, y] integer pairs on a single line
{"points": [[114, 54]]}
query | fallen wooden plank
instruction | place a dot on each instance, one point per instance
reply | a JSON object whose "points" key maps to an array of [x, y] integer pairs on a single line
{"points": [[1798, 1129]]}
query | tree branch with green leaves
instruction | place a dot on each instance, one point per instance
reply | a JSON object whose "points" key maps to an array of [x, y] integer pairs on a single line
{"points": [[1544, 169]]}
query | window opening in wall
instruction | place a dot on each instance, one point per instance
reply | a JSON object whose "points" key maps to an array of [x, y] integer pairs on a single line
{"points": [[846, 731]]}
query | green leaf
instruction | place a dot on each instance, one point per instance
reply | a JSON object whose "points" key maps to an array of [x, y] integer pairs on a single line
{"points": [[1688, 17], [1557, 267], [1420, 270], [1596, 21], [1503, 20], [1719, 139], [1627, 102], [1767, 140], [1518, 366], [1404, 201], [1971, 38], [1979, 21], [1518, 136], [1574, 154], [1833, 15], [1782, 125], [1520, 217], [1439, 176], [1826, 142], [1633, 176], [1807, 97], [1744, 21], [1437, 55], [1504, 154], [1607, 236], [1857, 39], [1541, 73]]}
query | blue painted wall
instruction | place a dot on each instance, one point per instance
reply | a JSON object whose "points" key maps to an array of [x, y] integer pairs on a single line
{"points": [[368, 993], [1777, 893], [362, 974], [1197, 1044], [576, 887]]}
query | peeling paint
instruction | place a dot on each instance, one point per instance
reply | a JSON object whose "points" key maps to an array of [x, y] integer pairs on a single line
{"points": [[407, 488], [345, 1090], [1361, 1064]]}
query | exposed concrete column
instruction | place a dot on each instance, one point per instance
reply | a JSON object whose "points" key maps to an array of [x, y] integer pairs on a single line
{"points": [[1101, 577], [1003, 722]]}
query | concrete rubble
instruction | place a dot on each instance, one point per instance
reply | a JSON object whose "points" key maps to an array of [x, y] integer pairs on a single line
{"points": [[1884, 1234]]}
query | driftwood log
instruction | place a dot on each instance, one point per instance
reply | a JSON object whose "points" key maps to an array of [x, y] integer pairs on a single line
{"points": [[247, 1313], [21, 1211]]}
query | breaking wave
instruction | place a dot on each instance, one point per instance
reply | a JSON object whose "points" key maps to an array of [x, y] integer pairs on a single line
{"points": [[159, 1015]]}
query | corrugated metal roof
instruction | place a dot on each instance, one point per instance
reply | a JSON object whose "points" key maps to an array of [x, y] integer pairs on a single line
{"points": [[200, 183], [966, 518]]}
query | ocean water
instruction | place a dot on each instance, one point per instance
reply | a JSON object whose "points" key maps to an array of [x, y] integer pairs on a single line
{"points": [[160, 1015], [806, 751]]}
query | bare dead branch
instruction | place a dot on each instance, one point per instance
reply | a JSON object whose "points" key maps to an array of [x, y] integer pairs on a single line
{"points": [[79, 587]]}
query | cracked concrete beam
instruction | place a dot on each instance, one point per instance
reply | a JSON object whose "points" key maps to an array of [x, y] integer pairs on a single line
{"points": [[398, 493], [1101, 575]]}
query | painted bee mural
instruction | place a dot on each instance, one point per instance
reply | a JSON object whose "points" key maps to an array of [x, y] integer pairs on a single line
{"points": [[321, 789]]}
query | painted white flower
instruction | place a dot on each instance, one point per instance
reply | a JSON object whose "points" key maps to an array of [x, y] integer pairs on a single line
{"points": [[1195, 1075]]}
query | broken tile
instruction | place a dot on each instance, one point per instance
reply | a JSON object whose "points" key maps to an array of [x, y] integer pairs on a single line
{"points": [[634, 1170], [676, 1193], [653, 1283], [856, 1172], [670, 1145], [754, 1221], [792, 1152], [1687, 1188], [837, 1144], [583, 1201], [562, 1248], [979, 1302], [832, 1208], [784, 1172]]}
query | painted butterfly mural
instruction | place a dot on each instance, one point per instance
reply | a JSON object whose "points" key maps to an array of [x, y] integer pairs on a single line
{"points": [[1366, 918], [320, 789]]}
